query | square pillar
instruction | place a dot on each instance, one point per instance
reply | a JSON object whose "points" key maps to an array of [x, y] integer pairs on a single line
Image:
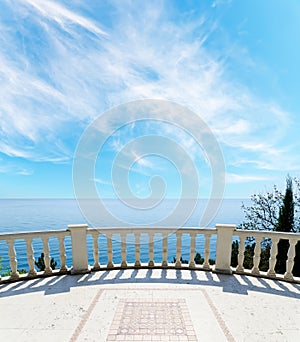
{"points": [[79, 249], [224, 246]]}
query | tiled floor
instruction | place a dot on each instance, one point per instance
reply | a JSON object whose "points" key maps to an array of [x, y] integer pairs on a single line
{"points": [[156, 320], [150, 305]]}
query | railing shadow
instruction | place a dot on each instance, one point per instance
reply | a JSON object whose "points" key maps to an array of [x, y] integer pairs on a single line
{"points": [[238, 284]]}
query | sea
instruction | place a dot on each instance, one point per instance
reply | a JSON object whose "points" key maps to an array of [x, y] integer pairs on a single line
{"points": [[29, 215]]}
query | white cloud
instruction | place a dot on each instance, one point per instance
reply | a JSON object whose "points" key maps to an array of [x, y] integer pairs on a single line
{"points": [[68, 68], [64, 17], [236, 178]]}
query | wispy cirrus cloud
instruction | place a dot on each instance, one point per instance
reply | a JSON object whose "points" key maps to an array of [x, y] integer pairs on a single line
{"points": [[63, 65]]}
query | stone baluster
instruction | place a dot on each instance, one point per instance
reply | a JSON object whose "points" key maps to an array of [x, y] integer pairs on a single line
{"points": [[151, 250], [256, 257], [206, 264], [96, 251], [272, 260], [123, 250], [12, 259], [192, 250], [290, 260], [30, 257], [109, 251], [62, 254], [178, 249], [241, 255], [47, 259], [165, 250], [137, 250]]}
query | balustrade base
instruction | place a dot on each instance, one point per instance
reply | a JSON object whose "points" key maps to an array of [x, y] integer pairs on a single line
{"points": [[87, 270], [221, 271]]}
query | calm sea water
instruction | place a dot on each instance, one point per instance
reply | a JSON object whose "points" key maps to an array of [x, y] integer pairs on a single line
{"points": [[55, 214]]}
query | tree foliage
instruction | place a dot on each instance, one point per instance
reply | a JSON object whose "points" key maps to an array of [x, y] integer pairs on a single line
{"points": [[278, 212], [263, 213], [40, 264]]}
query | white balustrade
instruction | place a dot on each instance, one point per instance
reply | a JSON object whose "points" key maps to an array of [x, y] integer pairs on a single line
{"points": [[274, 238], [27, 238], [80, 250]]}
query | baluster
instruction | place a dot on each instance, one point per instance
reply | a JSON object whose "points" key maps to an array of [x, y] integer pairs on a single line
{"points": [[256, 257], [47, 259], [109, 251], [96, 251], [151, 250], [12, 259], [178, 249], [241, 255], [272, 260], [123, 250], [192, 250], [165, 250], [62, 254], [290, 261], [206, 264], [30, 257], [137, 250]]}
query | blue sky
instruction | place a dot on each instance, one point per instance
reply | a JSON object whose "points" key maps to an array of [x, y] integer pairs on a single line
{"points": [[62, 64]]}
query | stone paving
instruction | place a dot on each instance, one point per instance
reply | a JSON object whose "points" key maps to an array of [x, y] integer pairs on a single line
{"points": [[150, 305]]}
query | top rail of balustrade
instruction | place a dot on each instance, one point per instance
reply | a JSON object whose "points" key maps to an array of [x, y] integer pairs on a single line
{"points": [[153, 230], [34, 234], [267, 234]]}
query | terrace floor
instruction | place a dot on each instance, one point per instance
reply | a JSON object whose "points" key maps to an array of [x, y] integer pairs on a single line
{"points": [[150, 305]]}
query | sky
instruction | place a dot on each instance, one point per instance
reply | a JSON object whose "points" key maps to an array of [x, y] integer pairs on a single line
{"points": [[64, 64]]}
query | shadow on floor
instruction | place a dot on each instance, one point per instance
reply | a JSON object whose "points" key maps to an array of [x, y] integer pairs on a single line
{"points": [[238, 284]]}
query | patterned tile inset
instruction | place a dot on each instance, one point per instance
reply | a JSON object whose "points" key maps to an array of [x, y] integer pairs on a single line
{"points": [[167, 320]]}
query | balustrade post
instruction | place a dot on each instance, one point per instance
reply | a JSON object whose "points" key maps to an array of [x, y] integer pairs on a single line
{"points": [[30, 258], [79, 249], [241, 255], [62, 254], [47, 258], [123, 251], [206, 265], [272, 261], [192, 251], [137, 250], [256, 257], [13, 260], [110, 263], [224, 246], [290, 261], [96, 251], [178, 250], [165, 250], [151, 250]]}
